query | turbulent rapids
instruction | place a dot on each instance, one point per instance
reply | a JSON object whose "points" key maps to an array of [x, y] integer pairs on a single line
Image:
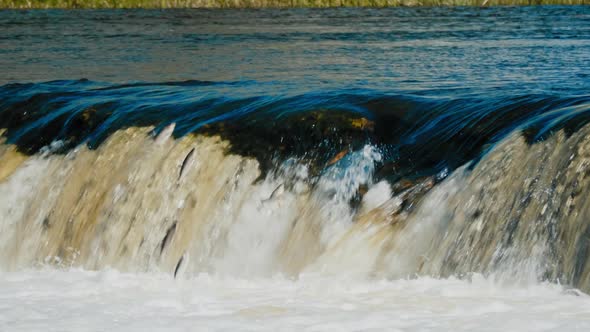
{"points": [[291, 187], [337, 169]]}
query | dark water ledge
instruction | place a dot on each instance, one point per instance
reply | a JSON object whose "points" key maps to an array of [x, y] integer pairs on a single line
{"points": [[417, 135], [30, 4]]}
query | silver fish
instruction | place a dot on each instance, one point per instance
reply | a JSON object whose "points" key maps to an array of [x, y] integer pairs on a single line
{"points": [[186, 163], [279, 191]]}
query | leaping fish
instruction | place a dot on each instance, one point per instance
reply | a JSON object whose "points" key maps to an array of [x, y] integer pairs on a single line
{"points": [[186, 163], [279, 191]]}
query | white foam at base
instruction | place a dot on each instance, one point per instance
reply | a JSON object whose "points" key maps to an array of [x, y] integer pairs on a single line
{"points": [[77, 300]]}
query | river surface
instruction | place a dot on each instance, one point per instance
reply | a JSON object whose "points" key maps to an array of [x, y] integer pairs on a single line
{"points": [[403, 169]]}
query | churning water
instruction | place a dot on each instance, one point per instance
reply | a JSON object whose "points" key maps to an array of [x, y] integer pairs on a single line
{"points": [[337, 169]]}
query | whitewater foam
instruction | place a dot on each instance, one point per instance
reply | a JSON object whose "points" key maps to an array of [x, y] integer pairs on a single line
{"points": [[78, 300]]}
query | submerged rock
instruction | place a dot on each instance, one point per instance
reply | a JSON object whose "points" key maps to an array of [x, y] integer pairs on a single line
{"points": [[321, 137]]}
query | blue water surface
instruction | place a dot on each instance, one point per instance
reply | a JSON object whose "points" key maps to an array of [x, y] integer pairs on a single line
{"points": [[432, 79]]}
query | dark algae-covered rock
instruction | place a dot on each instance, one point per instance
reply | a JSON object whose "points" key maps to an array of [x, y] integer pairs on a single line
{"points": [[319, 137]]}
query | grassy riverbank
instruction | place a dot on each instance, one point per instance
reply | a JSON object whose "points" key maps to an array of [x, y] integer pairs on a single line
{"points": [[24, 4]]}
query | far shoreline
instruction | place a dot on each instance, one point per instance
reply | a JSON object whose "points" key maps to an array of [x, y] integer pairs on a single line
{"points": [[270, 4]]}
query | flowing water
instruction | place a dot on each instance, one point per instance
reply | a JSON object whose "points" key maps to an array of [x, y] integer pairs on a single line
{"points": [[335, 169]]}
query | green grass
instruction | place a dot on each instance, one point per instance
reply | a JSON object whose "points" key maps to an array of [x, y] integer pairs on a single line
{"points": [[24, 4]]}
